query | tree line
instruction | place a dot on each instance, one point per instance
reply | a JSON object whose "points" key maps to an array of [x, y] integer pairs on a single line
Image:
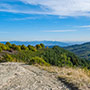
{"points": [[10, 47], [38, 54]]}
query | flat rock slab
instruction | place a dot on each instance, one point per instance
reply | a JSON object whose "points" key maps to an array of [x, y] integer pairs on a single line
{"points": [[18, 76]]}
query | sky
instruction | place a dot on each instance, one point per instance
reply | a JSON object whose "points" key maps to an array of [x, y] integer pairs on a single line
{"points": [[58, 20]]}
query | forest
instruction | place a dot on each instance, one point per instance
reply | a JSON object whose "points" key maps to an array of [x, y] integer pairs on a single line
{"points": [[42, 55], [82, 51]]}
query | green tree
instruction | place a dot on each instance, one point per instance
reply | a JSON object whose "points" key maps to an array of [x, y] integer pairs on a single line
{"points": [[18, 48], [23, 47], [14, 46], [38, 46], [3, 47], [8, 44], [32, 48], [42, 45]]}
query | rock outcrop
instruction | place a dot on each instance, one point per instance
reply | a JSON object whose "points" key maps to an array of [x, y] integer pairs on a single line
{"points": [[18, 76]]}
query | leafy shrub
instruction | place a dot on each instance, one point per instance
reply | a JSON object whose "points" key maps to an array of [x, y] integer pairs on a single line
{"points": [[15, 47], [37, 60], [8, 44], [0, 49], [7, 57], [23, 47], [18, 48], [32, 48], [38, 46], [4, 47], [42, 45], [26, 55]]}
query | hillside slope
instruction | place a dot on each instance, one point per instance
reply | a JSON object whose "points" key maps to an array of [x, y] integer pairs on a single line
{"points": [[82, 50], [16, 76]]}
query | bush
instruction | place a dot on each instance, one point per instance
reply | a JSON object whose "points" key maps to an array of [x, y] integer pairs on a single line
{"points": [[18, 48], [3, 47], [32, 48], [8, 44], [15, 47], [0, 49], [38, 46], [23, 47], [38, 60], [42, 45], [7, 57]]}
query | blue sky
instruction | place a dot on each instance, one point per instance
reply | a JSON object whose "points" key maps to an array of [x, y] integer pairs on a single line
{"points": [[60, 20]]}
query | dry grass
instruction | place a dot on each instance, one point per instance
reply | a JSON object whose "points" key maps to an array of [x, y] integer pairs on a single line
{"points": [[77, 76]]}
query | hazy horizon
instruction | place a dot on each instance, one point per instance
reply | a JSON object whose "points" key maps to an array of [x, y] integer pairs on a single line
{"points": [[40, 40]]}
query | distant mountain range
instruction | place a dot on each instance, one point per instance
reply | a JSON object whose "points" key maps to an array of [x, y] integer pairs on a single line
{"points": [[82, 50], [46, 43]]}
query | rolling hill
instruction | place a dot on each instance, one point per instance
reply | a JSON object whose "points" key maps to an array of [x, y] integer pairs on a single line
{"points": [[82, 50]]}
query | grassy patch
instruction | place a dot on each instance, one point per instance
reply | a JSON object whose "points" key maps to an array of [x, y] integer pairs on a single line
{"points": [[73, 77]]}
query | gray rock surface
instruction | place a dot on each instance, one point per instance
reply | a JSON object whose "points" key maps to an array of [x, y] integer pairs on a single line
{"points": [[18, 76]]}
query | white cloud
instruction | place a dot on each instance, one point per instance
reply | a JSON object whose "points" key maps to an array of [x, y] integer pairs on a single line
{"points": [[61, 8], [59, 31], [64, 7], [19, 9], [86, 26], [25, 18]]}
